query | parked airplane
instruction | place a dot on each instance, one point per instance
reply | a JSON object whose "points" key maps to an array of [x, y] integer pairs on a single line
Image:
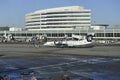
{"points": [[76, 41], [7, 38]]}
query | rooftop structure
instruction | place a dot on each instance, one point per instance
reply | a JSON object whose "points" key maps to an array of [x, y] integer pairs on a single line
{"points": [[6, 28], [99, 26], [15, 29]]}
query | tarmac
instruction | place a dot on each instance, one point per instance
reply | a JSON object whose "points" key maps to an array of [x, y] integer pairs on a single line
{"points": [[28, 50], [49, 63]]}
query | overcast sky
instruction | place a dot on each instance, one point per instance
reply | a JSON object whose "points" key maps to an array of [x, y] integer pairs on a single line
{"points": [[12, 12]]}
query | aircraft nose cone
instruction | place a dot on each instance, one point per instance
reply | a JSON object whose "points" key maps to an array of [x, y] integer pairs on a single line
{"points": [[49, 44], [45, 44]]}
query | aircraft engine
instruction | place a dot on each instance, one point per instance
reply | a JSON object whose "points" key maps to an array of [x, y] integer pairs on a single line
{"points": [[89, 38]]}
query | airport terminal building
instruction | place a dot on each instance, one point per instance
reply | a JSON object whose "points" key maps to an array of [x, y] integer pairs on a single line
{"points": [[63, 18], [59, 22]]}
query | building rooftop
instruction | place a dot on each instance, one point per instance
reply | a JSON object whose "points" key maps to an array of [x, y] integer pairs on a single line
{"points": [[68, 8]]}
